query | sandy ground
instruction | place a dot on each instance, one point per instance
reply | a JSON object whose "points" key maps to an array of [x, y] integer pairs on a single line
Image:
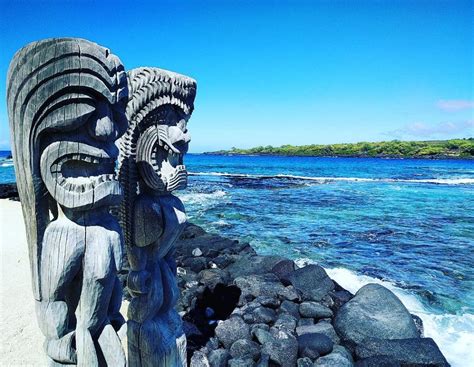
{"points": [[20, 338]]}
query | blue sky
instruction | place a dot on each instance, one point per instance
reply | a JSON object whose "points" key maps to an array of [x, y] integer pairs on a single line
{"points": [[282, 72]]}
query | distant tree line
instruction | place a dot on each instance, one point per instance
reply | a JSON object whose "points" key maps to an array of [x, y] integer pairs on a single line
{"points": [[454, 148]]}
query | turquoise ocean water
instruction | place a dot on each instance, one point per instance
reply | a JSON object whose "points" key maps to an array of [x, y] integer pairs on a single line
{"points": [[405, 223]]}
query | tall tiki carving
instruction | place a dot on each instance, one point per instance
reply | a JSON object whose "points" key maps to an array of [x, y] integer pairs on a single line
{"points": [[151, 168], [66, 106]]}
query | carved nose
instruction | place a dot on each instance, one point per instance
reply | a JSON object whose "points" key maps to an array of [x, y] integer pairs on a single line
{"points": [[102, 126], [187, 137], [177, 136]]}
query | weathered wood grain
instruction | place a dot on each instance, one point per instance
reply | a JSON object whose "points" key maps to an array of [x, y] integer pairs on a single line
{"points": [[66, 105], [151, 167]]}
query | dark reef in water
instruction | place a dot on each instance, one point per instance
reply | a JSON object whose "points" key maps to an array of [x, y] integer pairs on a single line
{"points": [[243, 309]]}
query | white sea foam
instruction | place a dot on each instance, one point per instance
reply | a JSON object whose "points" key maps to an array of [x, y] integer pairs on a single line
{"points": [[6, 164], [202, 198], [221, 223], [454, 334], [322, 179]]}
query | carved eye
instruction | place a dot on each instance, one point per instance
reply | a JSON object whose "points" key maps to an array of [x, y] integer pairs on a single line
{"points": [[66, 117]]}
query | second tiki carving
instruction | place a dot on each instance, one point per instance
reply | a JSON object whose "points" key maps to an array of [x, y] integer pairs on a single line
{"points": [[151, 168]]}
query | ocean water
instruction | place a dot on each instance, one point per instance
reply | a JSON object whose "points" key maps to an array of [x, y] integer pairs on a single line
{"points": [[404, 223]]}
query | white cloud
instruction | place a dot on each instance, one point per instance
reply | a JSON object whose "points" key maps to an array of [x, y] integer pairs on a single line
{"points": [[442, 129], [454, 104]]}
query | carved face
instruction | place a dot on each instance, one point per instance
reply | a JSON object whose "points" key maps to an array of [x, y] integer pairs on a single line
{"points": [[78, 162], [161, 148]]}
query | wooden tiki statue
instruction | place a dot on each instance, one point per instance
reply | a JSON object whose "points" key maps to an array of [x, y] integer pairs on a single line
{"points": [[151, 168], [66, 106]]}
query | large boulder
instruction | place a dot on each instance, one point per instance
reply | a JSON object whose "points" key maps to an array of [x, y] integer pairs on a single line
{"points": [[378, 361], [254, 286], [251, 264], [413, 351], [284, 267], [231, 330], [311, 281], [374, 312]]}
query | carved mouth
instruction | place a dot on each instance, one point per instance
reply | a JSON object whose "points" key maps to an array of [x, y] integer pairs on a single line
{"points": [[79, 175], [178, 179], [82, 172]]}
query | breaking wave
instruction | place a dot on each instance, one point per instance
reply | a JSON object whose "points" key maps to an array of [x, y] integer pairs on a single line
{"points": [[453, 333], [201, 197], [436, 181]]}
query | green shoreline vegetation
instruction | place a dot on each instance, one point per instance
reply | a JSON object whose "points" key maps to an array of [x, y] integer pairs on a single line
{"points": [[454, 148]]}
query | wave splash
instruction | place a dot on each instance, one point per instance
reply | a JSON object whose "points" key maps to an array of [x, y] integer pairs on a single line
{"points": [[454, 334], [437, 181], [201, 197]]}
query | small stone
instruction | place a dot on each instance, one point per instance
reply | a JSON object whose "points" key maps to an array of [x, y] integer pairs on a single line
{"points": [[283, 351], [325, 328], [199, 359], [231, 330], [196, 264], [305, 322], [264, 361], [255, 327], [197, 252], [209, 312], [270, 302], [244, 349], [304, 362], [317, 342], [223, 260], [341, 297], [314, 310], [219, 358], [334, 360], [239, 362], [419, 324], [327, 301], [212, 344], [289, 293], [291, 308], [211, 277], [191, 284], [263, 336], [286, 321], [264, 315], [310, 353]]}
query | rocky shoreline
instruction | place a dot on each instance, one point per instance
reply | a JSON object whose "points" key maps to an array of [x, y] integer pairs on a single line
{"points": [[243, 309]]}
